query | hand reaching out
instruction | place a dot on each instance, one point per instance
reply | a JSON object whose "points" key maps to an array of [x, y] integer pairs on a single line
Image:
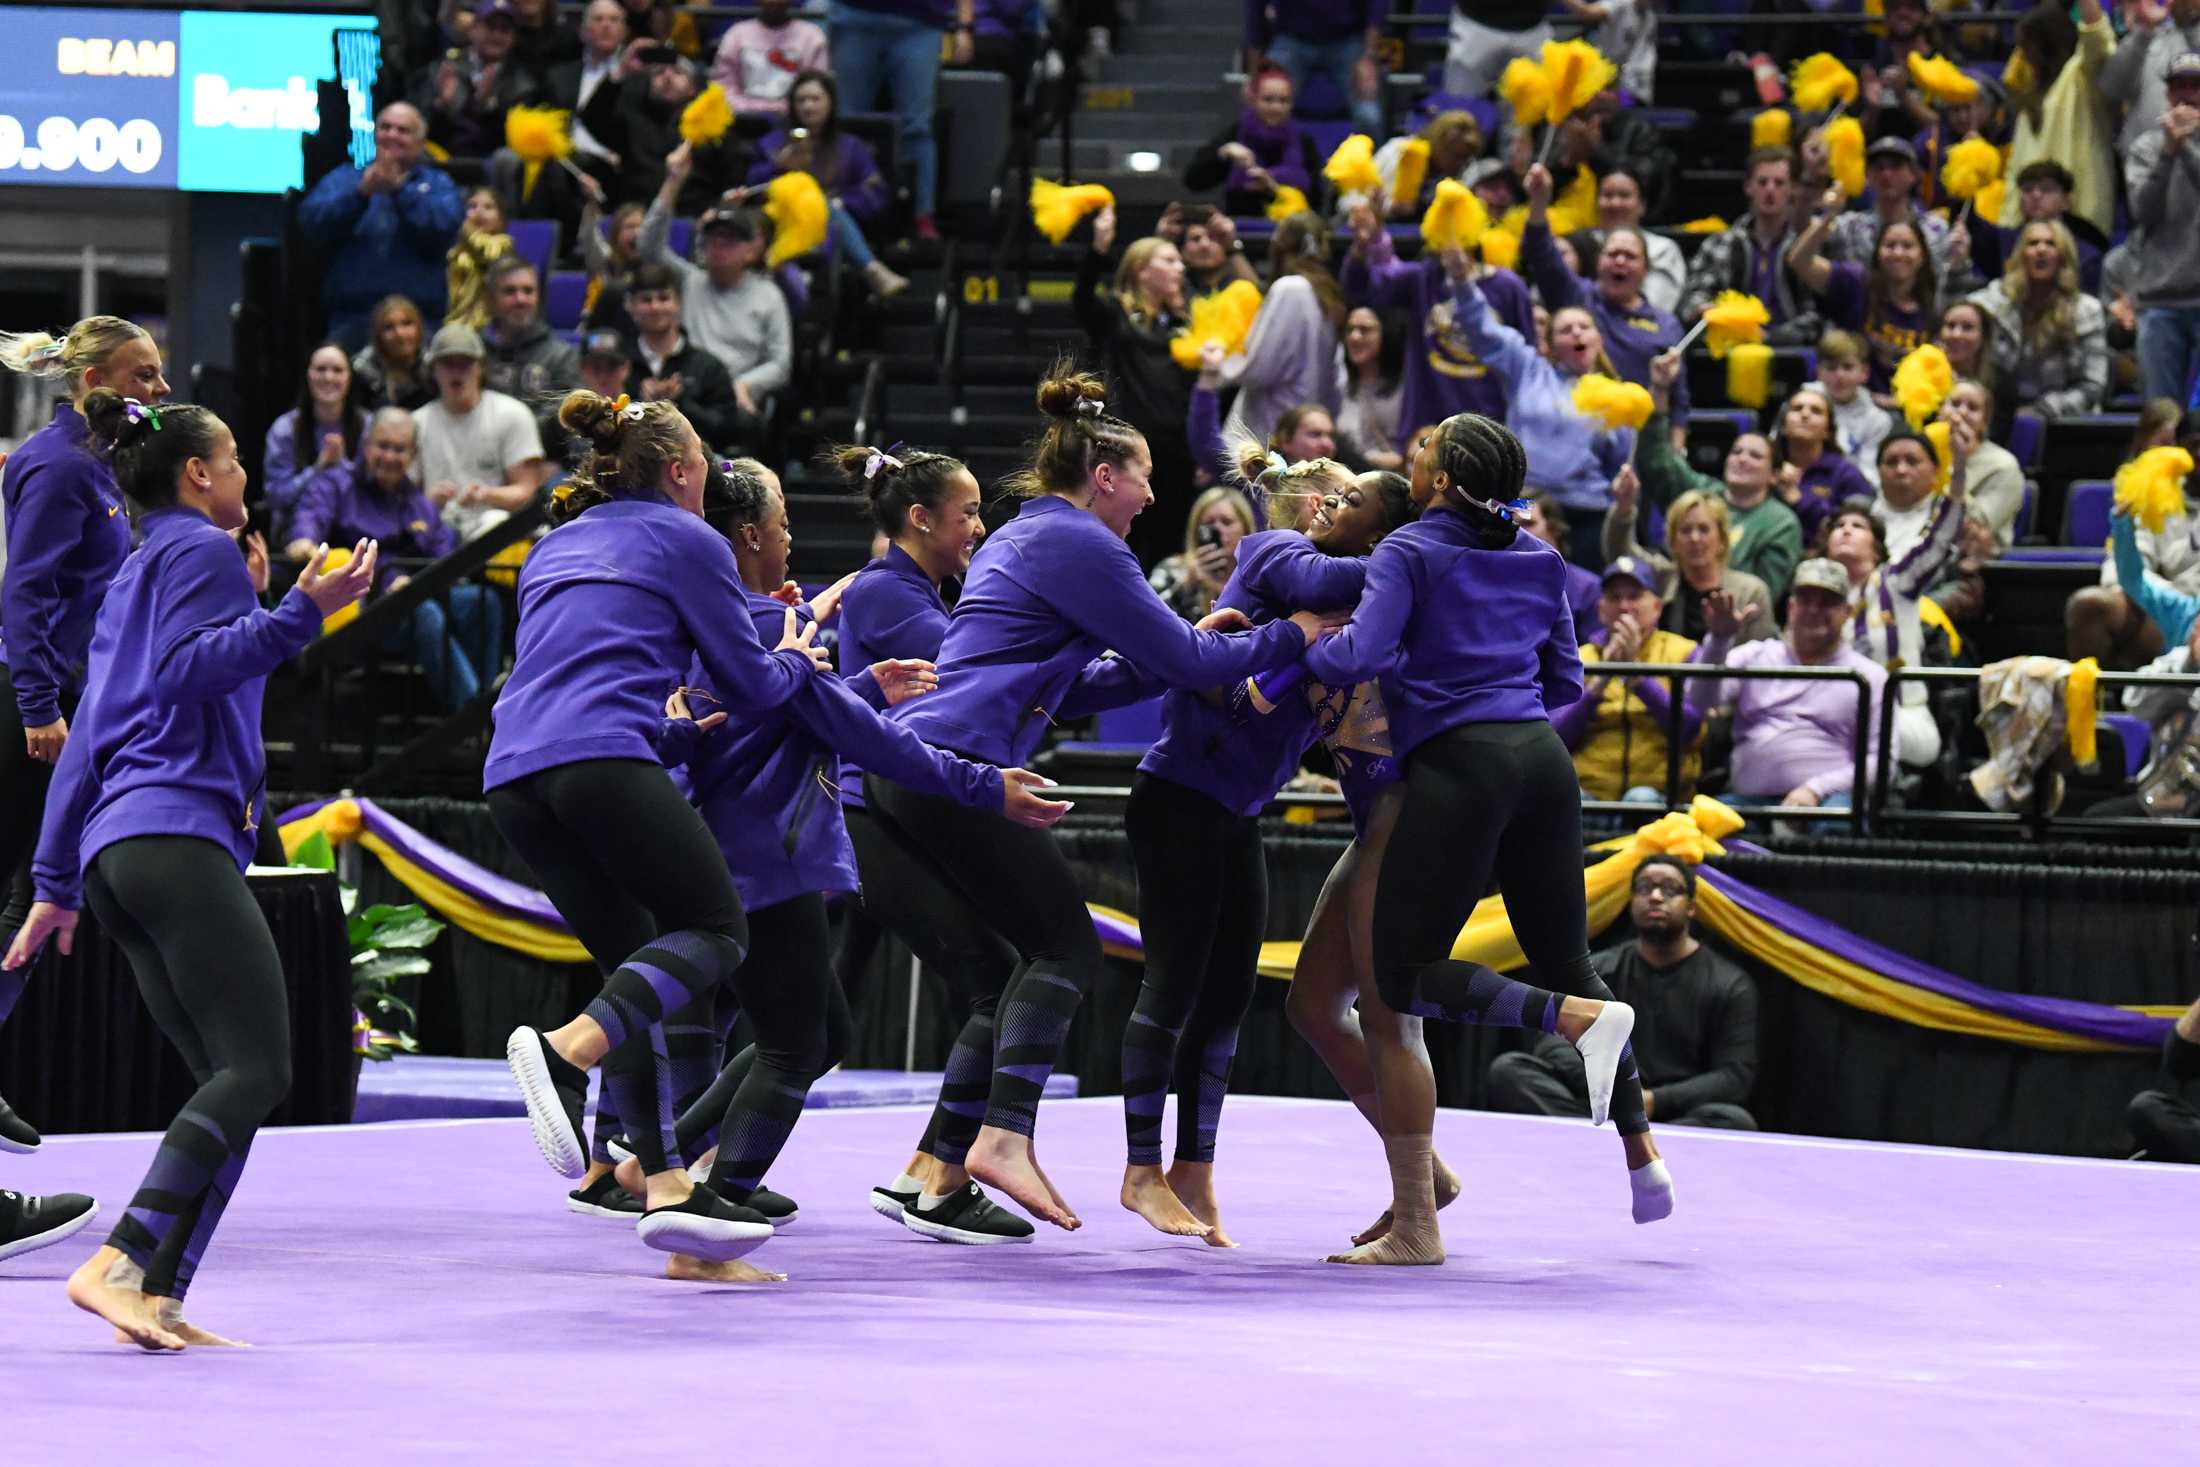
{"points": [[255, 561], [901, 679], [1226, 619], [795, 637], [1721, 618], [1103, 230], [1021, 804], [331, 591]]}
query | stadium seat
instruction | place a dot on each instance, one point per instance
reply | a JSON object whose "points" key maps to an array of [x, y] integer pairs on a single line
{"points": [[2020, 529], [2024, 437], [564, 297], [535, 241], [2131, 732], [2085, 515]]}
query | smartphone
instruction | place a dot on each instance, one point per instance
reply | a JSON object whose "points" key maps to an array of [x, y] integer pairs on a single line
{"points": [[659, 56], [1210, 535]]}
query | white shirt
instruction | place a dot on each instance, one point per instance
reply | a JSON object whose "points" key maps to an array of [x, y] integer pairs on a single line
{"points": [[480, 447]]}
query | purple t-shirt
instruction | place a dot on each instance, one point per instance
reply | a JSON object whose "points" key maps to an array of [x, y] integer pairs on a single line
{"points": [[1890, 332]]}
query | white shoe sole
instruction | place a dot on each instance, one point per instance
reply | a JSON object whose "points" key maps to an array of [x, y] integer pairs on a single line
{"points": [[915, 1220], [887, 1207], [720, 1242], [590, 1209], [1600, 1047], [51, 1236], [554, 1135], [17, 1148]]}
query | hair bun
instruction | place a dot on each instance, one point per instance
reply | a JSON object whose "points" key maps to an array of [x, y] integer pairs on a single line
{"points": [[1073, 395], [107, 415], [592, 416]]}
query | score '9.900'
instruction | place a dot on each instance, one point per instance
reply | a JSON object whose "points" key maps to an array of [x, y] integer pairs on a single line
{"points": [[95, 145]]}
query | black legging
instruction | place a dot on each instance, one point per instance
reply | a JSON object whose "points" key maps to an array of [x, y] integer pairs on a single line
{"points": [[905, 893], [1489, 799], [1020, 880], [1202, 906], [23, 783], [207, 967], [633, 870]]}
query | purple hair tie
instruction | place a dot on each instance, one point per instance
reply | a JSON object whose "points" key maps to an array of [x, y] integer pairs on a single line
{"points": [[138, 412]]}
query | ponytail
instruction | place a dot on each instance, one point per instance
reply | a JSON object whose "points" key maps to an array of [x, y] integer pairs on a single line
{"points": [[146, 444], [894, 481], [1488, 470], [1080, 436], [88, 344], [629, 444]]}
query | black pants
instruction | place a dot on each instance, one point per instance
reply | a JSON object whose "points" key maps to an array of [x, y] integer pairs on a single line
{"points": [[904, 893], [207, 968], [23, 784], [640, 880], [1489, 800], [1202, 906], [1549, 1081], [1020, 880]]}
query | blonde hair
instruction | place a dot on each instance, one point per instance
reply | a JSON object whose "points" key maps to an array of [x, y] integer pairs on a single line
{"points": [[1267, 477], [2057, 326], [628, 449], [1842, 348], [89, 343], [1712, 505], [1128, 292], [1219, 494]]}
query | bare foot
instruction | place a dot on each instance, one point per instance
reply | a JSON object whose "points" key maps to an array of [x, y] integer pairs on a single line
{"points": [[1423, 1244], [1194, 1184], [1148, 1195], [1448, 1187], [1005, 1161], [628, 1174], [134, 1313], [687, 1268], [171, 1317]]}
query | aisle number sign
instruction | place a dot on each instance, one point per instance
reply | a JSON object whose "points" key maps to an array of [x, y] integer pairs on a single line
{"points": [[212, 101]]}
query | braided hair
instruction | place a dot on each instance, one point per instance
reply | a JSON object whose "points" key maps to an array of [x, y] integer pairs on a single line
{"points": [[148, 444], [629, 445], [902, 480], [1487, 467], [1081, 435]]}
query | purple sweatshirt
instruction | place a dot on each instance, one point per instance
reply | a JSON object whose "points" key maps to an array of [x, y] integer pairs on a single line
{"points": [[1631, 337], [614, 608], [1239, 759], [67, 535], [167, 740], [768, 787], [1048, 593], [1443, 374], [1481, 635], [850, 175], [283, 479], [343, 506], [1825, 486], [891, 609]]}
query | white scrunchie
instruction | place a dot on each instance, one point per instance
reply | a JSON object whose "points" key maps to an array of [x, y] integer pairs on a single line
{"points": [[879, 459]]}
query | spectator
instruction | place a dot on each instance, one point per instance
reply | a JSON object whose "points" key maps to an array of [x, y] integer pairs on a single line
{"points": [[1795, 740], [730, 307], [1758, 538], [384, 227], [607, 366], [1952, 123], [1698, 555], [572, 84], [640, 121], [388, 371], [1131, 322], [1907, 543], [1333, 38], [2059, 109], [1545, 518], [2044, 191], [2106, 621], [1290, 355], [1890, 304], [1190, 580], [759, 58], [1619, 730], [465, 97], [320, 433], [1889, 101], [2050, 338], [2170, 712], [1368, 424], [1966, 335], [1443, 375], [1891, 174], [666, 23], [1810, 475], [2162, 1121], [672, 368], [526, 362], [479, 452], [1207, 240], [1619, 206], [1485, 34], [1629, 327], [1625, 32], [1994, 478], [539, 42], [1007, 40], [845, 169], [1262, 151], [481, 242], [1752, 256], [1603, 137], [612, 255], [1860, 424], [1454, 142], [2163, 175], [891, 50], [1303, 433], [1569, 455], [378, 498], [2136, 78], [1695, 1038]]}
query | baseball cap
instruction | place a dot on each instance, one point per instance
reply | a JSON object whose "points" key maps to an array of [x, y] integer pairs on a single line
{"points": [[1635, 568], [2185, 68], [495, 10], [1892, 148], [1822, 574], [604, 344], [739, 222], [456, 340]]}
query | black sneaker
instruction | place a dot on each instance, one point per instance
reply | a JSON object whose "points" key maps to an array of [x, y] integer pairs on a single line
{"points": [[777, 1210], [604, 1197], [967, 1217], [29, 1223], [555, 1092], [706, 1225], [16, 1134], [889, 1204]]}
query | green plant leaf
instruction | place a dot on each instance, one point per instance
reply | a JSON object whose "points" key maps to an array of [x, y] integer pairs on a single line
{"points": [[315, 851], [382, 912], [373, 966], [416, 933], [383, 1007]]}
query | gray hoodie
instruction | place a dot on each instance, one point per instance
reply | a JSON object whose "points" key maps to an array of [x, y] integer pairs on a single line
{"points": [[2165, 199]]}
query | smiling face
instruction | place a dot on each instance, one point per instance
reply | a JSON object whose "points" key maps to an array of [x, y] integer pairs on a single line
{"points": [[1749, 464], [1121, 491], [656, 313], [328, 377], [132, 369], [1575, 341], [216, 483], [1619, 201], [949, 532], [388, 452], [1363, 338], [1901, 255], [518, 299], [1963, 335], [399, 134], [1814, 622], [1272, 101], [484, 215], [1348, 518], [1621, 267]]}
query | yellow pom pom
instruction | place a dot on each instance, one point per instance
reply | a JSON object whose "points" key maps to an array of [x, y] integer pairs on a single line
{"points": [[1709, 224], [1578, 201], [708, 118], [1500, 249], [1224, 317], [1942, 80], [1972, 164], [1819, 81], [1056, 208], [2151, 488], [539, 134], [342, 616], [1352, 167], [1405, 188], [1734, 319], [1288, 201], [799, 214], [1575, 71], [2017, 78], [1988, 203], [1922, 381], [1526, 90], [1845, 154], [1749, 375], [1944, 454], [1772, 128], [2082, 710], [1610, 403], [1456, 218]]}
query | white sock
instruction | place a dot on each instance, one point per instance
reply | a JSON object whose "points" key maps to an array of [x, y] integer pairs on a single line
{"points": [[1653, 1189], [927, 1200], [1600, 1045], [905, 1183]]}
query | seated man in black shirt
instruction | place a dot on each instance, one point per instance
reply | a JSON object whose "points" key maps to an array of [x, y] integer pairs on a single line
{"points": [[1695, 1020]]}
